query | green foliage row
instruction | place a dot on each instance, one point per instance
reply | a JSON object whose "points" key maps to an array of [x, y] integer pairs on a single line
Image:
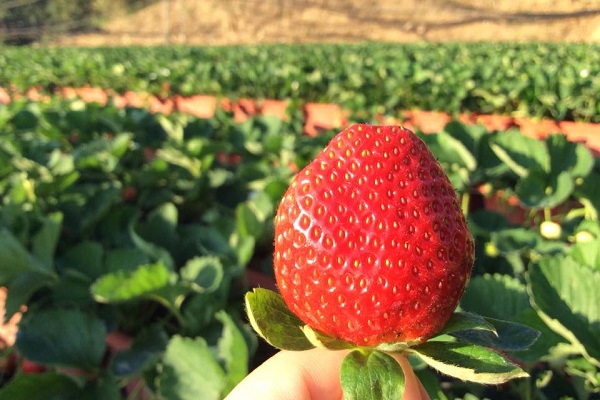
{"points": [[119, 220], [558, 81]]}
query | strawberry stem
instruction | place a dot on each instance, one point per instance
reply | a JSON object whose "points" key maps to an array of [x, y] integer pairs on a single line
{"points": [[547, 214], [466, 197]]}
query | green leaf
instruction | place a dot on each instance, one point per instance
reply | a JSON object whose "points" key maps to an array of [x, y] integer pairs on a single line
{"points": [[567, 156], [483, 292], [482, 222], [206, 239], [371, 375], [514, 239], [274, 322], [217, 177], [248, 222], [565, 294], [450, 150], [45, 240], [173, 128], [15, 259], [585, 250], [323, 341], [468, 362], [96, 154], [232, 351], [125, 259], [104, 387], [204, 273], [460, 321], [589, 190], [538, 190], [120, 286], [587, 253], [160, 227], [243, 248], [22, 287], [120, 143], [489, 164], [508, 336], [85, 257], [190, 372], [580, 367], [145, 351], [468, 135], [176, 157], [481, 296], [152, 250], [62, 337], [27, 119], [93, 205], [43, 386], [521, 153], [199, 310]]}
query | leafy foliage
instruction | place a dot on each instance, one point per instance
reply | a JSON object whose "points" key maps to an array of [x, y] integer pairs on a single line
{"points": [[558, 81], [119, 220], [123, 221]]}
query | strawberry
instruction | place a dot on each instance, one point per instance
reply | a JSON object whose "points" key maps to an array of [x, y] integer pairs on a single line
{"points": [[371, 245]]}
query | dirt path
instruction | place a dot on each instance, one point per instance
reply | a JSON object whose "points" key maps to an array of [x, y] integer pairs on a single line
{"points": [[223, 22]]}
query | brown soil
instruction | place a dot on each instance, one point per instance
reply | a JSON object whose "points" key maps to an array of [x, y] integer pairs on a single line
{"points": [[224, 22]]}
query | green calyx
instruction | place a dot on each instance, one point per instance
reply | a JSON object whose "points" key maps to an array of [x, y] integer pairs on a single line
{"points": [[469, 347]]}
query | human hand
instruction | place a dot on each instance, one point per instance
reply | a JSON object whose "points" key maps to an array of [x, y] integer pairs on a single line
{"points": [[309, 375]]}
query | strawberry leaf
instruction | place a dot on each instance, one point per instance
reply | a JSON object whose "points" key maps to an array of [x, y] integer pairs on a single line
{"points": [[62, 337], [397, 347], [274, 322], [460, 321], [539, 190], [189, 371], [565, 295], [468, 362], [521, 153], [507, 336], [371, 375], [574, 158], [146, 281], [323, 341], [48, 385], [15, 259], [204, 274]]}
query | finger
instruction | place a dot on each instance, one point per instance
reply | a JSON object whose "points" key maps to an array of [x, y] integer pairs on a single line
{"points": [[414, 389], [299, 375], [311, 374]]}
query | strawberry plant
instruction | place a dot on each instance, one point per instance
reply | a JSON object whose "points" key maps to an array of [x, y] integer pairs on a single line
{"points": [[557, 81], [121, 222], [372, 253], [128, 236]]}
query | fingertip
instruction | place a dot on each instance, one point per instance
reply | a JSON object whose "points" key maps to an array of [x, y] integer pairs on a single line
{"points": [[414, 389], [299, 375], [311, 374]]}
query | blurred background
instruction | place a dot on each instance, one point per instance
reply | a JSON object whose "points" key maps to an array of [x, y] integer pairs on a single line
{"points": [[224, 22]]}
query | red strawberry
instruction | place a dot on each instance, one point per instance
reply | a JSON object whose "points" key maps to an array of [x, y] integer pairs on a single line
{"points": [[371, 245]]}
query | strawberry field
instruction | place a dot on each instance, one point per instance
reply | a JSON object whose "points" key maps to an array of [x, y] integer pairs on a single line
{"points": [[129, 236], [558, 81]]}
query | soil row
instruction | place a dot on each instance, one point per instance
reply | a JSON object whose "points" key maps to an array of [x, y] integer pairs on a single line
{"points": [[317, 116]]}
